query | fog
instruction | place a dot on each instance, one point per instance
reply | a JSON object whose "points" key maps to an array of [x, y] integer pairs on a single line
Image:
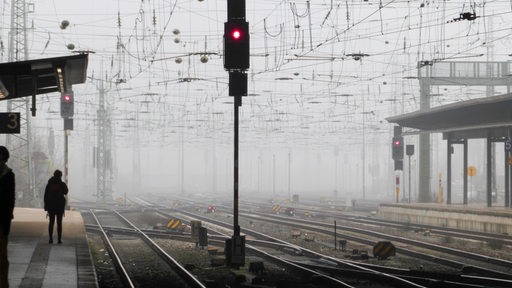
{"points": [[324, 76]]}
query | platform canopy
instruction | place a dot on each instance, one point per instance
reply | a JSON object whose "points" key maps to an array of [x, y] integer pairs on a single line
{"points": [[475, 118], [40, 76]]}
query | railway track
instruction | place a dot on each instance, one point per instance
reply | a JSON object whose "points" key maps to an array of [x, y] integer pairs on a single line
{"points": [[468, 271], [156, 269], [442, 231], [369, 223], [407, 247], [328, 279], [470, 275], [115, 227], [256, 246], [394, 277]]}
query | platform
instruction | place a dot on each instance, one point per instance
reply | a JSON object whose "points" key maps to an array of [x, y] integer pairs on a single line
{"points": [[467, 217], [36, 263]]}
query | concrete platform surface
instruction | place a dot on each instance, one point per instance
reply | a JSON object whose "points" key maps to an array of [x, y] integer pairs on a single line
{"points": [[467, 217], [36, 263]]}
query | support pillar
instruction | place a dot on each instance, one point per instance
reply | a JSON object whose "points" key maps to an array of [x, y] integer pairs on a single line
{"points": [[507, 173], [465, 143], [449, 173], [489, 172], [424, 193]]}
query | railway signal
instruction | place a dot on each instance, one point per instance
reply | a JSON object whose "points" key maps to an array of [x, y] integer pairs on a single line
{"points": [[67, 103], [398, 148], [236, 44], [236, 62]]}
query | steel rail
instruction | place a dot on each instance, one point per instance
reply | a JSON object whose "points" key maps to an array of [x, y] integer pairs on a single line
{"points": [[421, 277], [321, 211], [397, 280], [178, 268], [326, 228], [125, 277], [289, 264], [474, 235]]}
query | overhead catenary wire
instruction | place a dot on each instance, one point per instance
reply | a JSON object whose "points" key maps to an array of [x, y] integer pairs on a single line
{"points": [[389, 34]]}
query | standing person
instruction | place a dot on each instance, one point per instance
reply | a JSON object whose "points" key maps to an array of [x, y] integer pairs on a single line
{"points": [[55, 202], [7, 198]]}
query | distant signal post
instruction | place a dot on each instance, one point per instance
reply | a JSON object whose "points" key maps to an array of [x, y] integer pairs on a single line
{"points": [[67, 111], [397, 152]]}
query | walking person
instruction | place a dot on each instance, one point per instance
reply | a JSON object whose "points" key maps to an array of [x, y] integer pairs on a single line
{"points": [[54, 203], [7, 198]]}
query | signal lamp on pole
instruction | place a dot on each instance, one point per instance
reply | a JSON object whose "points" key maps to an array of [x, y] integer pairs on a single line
{"points": [[236, 44], [398, 148], [67, 103]]}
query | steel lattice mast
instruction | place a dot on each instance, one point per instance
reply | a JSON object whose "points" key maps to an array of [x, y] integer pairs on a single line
{"points": [[20, 145], [103, 152]]}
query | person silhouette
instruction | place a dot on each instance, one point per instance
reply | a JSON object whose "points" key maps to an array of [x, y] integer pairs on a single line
{"points": [[7, 199], [54, 203]]}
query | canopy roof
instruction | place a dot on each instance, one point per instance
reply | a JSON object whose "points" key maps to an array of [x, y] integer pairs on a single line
{"points": [[475, 118], [40, 76]]}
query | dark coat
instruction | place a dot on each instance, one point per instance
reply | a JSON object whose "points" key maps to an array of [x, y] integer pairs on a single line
{"points": [[54, 200], [7, 198]]}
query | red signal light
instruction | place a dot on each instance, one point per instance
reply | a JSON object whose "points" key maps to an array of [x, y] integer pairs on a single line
{"points": [[67, 104], [398, 148], [236, 44], [236, 34]]}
